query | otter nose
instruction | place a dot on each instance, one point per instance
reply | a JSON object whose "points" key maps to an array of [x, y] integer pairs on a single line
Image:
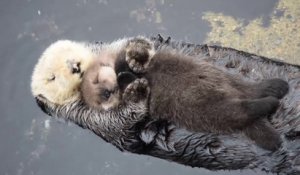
{"points": [[74, 66]]}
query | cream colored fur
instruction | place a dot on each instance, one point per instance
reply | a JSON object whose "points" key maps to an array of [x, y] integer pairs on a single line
{"points": [[54, 63], [55, 60]]}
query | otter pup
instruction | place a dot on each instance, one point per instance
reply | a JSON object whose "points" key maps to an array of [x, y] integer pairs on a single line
{"points": [[197, 96], [102, 89]]}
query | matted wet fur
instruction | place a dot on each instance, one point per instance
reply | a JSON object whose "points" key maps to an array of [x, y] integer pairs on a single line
{"points": [[197, 96]]}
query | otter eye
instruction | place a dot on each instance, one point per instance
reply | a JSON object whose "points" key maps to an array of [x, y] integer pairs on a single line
{"points": [[105, 94], [52, 78]]}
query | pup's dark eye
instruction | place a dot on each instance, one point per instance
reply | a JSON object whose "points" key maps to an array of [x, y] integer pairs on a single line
{"points": [[105, 94]]}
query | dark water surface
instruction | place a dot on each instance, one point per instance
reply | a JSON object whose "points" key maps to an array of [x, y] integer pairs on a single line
{"points": [[33, 143]]}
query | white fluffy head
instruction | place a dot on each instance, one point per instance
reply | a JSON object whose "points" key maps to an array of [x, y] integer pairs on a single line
{"points": [[58, 73]]}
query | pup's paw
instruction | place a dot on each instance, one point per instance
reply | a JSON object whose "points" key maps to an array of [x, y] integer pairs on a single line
{"points": [[139, 52], [137, 90]]}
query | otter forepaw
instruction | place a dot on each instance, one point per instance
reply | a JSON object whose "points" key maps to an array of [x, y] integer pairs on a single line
{"points": [[137, 90], [45, 105], [139, 52]]}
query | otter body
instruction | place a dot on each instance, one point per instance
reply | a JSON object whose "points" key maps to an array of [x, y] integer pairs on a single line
{"points": [[197, 96], [201, 97], [196, 149]]}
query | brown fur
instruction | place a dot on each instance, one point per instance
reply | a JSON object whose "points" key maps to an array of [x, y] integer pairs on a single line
{"points": [[198, 96], [201, 97]]}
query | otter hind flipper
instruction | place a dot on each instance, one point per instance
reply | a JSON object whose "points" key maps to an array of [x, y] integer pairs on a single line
{"points": [[262, 107], [273, 87], [264, 135]]}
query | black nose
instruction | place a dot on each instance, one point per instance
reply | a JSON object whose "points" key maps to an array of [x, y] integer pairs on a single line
{"points": [[42, 105], [74, 66]]}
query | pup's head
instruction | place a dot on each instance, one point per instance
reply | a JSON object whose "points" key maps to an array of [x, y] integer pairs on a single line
{"points": [[58, 73], [99, 87]]}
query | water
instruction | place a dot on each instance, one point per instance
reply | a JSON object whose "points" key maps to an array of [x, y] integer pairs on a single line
{"points": [[33, 143]]}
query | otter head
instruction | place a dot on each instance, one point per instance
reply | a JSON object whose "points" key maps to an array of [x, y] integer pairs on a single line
{"points": [[58, 73], [99, 87]]}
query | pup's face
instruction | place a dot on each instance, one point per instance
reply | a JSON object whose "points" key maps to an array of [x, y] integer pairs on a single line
{"points": [[99, 87], [58, 73]]}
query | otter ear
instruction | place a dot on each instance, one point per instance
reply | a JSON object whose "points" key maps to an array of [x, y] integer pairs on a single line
{"points": [[125, 78]]}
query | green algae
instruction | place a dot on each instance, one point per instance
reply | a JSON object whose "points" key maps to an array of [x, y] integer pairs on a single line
{"points": [[279, 39]]}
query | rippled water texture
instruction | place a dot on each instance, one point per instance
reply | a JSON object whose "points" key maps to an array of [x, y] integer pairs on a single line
{"points": [[33, 143]]}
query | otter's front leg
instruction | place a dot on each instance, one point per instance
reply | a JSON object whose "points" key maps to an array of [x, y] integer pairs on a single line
{"points": [[137, 91], [139, 52]]}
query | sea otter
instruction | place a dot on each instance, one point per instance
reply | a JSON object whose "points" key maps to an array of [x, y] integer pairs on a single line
{"points": [[197, 96], [195, 149]]}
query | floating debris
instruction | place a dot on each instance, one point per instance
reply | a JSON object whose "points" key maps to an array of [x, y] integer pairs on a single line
{"points": [[47, 124], [158, 17]]}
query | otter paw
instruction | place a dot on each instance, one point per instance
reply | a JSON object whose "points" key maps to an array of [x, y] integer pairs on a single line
{"points": [[139, 52], [45, 105], [137, 90]]}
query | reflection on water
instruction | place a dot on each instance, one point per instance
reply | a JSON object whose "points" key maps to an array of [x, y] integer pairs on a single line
{"points": [[279, 38], [33, 143]]}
